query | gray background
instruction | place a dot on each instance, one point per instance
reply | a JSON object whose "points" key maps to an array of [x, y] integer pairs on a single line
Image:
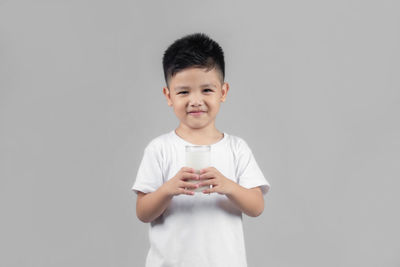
{"points": [[314, 92]]}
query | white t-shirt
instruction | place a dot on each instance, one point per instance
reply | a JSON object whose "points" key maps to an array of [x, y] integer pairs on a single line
{"points": [[201, 230]]}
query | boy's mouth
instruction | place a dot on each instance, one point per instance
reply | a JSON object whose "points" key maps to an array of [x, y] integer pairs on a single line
{"points": [[196, 113]]}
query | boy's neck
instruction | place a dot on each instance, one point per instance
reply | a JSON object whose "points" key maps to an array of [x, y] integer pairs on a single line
{"points": [[204, 136]]}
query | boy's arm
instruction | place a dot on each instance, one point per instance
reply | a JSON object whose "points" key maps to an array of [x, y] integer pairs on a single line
{"points": [[249, 201], [151, 205]]}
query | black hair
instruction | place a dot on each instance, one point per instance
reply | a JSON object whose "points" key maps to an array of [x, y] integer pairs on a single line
{"points": [[193, 50]]}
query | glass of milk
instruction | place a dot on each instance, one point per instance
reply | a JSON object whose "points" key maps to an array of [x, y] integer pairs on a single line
{"points": [[198, 157]]}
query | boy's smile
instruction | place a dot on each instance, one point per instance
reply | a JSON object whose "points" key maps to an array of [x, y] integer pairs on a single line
{"points": [[196, 95], [196, 113]]}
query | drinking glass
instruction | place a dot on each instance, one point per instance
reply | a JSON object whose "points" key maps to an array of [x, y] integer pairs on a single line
{"points": [[198, 157]]}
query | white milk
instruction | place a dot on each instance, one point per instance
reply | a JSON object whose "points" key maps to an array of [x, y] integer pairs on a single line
{"points": [[198, 157]]}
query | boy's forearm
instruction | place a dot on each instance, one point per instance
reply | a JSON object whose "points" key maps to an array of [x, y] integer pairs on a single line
{"points": [[152, 205], [249, 201]]}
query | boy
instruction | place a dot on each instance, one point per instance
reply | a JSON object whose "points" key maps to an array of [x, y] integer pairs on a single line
{"points": [[187, 228]]}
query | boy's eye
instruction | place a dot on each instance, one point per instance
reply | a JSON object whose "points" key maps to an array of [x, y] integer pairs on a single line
{"points": [[208, 90], [182, 92]]}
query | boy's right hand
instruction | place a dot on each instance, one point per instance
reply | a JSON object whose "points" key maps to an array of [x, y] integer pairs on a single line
{"points": [[178, 184]]}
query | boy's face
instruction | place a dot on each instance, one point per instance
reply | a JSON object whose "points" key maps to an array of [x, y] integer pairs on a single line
{"points": [[196, 95]]}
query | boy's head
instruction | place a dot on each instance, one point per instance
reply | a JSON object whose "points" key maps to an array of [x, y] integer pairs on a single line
{"points": [[194, 50], [194, 71]]}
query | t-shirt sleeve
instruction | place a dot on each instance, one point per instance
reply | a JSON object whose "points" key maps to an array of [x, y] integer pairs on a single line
{"points": [[248, 171], [149, 176]]}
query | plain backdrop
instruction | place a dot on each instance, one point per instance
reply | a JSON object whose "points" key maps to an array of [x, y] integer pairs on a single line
{"points": [[315, 91]]}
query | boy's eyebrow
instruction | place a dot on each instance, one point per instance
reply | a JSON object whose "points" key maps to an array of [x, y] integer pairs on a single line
{"points": [[181, 88], [188, 87], [207, 85]]}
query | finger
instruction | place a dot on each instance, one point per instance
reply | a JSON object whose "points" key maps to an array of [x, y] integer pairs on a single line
{"points": [[209, 191], [190, 176], [188, 169], [202, 171], [208, 183], [205, 176], [185, 192], [209, 169], [189, 185]]}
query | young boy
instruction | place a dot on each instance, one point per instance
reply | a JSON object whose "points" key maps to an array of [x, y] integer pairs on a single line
{"points": [[203, 228]]}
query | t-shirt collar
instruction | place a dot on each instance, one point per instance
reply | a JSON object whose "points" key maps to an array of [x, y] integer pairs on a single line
{"points": [[183, 141]]}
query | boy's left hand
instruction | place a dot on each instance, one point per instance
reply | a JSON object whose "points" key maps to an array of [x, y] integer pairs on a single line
{"points": [[220, 184]]}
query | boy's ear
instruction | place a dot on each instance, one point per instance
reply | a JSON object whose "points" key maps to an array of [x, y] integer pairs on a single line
{"points": [[224, 91], [167, 94]]}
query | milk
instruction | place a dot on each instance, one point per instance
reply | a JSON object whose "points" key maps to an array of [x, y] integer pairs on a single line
{"points": [[198, 157]]}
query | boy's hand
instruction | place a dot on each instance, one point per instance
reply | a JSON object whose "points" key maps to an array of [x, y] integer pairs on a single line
{"points": [[220, 184], [178, 184]]}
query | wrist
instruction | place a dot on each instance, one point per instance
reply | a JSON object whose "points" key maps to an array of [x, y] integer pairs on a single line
{"points": [[233, 188], [165, 191]]}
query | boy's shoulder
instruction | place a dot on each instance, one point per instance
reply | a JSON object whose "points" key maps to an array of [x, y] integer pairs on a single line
{"points": [[235, 139], [238, 143], [160, 140]]}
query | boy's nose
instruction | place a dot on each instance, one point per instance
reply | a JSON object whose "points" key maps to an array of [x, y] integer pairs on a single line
{"points": [[196, 101]]}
